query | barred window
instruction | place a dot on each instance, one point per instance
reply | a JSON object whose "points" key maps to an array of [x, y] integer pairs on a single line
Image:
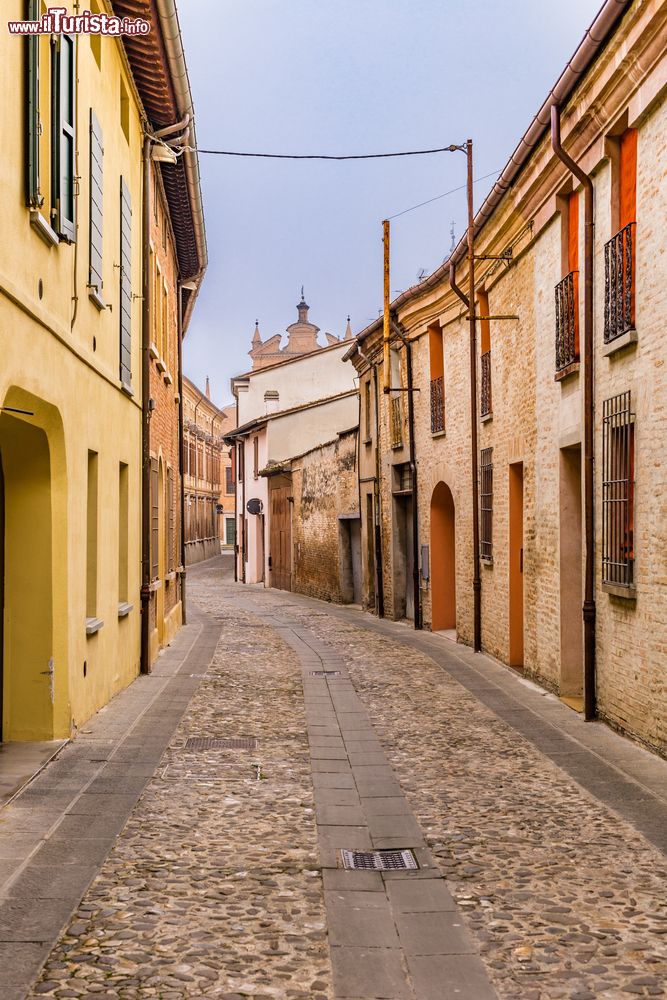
{"points": [[618, 490], [486, 503], [229, 479]]}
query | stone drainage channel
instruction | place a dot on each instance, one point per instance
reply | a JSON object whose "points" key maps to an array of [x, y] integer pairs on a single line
{"points": [[394, 933]]}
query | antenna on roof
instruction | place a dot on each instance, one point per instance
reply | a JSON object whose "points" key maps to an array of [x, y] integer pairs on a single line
{"points": [[452, 232]]}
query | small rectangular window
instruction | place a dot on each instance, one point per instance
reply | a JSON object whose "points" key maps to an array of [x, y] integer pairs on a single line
{"points": [[618, 490], [241, 460], [367, 409], [255, 454], [437, 369], [486, 504], [229, 480]]}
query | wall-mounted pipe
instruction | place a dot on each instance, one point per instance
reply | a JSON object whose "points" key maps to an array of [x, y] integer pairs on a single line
{"points": [[146, 415], [398, 330], [589, 410], [181, 449]]}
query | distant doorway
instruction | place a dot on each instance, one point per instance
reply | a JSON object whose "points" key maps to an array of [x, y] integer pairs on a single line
{"points": [[280, 533], [516, 564], [571, 574], [443, 559], [403, 559]]}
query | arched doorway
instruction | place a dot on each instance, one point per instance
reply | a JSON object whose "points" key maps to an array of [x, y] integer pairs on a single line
{"points": [[443, 559], [27, 667]]}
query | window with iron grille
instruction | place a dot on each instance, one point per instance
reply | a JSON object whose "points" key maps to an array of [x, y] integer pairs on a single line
{"points": [[618, 490], [241, 461], [396, 422], [229, 480], [486, 503]]}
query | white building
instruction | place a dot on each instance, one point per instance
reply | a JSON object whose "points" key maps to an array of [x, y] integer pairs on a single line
{"points": [[283, 410]]}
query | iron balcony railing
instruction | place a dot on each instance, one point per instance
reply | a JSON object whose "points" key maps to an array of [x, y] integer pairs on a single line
{"points": [[437, 405], [619, 284], [396, 422], [567, 321], [486, 384]]}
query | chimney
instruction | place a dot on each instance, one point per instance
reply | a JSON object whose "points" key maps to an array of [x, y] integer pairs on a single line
{"points": [[208, 388]]}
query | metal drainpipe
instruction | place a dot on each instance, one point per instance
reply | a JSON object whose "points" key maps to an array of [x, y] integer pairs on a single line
{"points": [[145, 418], [181, 448], [413, 469], [379, 584], [589, 406], [473, 420]]}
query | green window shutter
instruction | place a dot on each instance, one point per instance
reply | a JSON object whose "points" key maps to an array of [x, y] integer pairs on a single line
{"points": [[155, 518], [33, 196], [125, 285], [64, 136], [96, 204]]}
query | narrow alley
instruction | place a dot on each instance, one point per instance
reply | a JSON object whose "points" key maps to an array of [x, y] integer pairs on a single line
{"points": [[188, 843]]}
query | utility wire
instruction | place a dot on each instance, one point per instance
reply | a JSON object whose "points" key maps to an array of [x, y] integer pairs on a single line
{"points": [[462, 187], [318, 156]]}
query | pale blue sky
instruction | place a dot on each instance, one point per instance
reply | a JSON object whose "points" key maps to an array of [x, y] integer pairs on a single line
{"points": [[348, 76]]}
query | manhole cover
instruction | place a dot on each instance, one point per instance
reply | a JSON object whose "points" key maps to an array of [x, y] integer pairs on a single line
{"points": [[211, 743], [380, 861], [325, 673]]}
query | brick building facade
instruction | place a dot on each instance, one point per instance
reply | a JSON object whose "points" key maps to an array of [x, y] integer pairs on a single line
{"points": [[531, 405], [203, 447]]}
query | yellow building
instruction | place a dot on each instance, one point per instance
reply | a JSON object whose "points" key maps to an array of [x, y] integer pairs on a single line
{"points": [[71, 323]]}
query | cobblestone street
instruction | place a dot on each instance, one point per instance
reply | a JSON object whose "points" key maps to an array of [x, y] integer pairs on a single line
{"points": [[542, 869]]}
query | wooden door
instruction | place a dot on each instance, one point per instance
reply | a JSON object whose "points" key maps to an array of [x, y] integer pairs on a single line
{"points": [[280, 533]]}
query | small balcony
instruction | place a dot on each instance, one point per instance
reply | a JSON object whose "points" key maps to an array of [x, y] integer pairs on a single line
{"points": [[437, 405], [396, 422], [619, 284], [487, 400], [567, 321]]}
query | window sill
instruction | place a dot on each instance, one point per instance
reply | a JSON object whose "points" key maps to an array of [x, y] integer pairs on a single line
{"points": [[486, 417], [614, 346], [618, 590], [177, 398], [155, 585], [124, 609], [168, 380], [153, 352], [439, 434], [368, 442], [486, 561], [96, 298], [127, 389], [397, 447], [567, 371], [170, 577], [93, 625], [43, 229], [160, 365]]}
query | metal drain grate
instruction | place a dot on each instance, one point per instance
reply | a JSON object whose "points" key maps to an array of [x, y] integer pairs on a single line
{"points": [[325, 673], [211, 743], [380, 861]]}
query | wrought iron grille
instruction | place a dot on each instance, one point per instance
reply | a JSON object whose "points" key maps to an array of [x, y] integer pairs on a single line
{"points": [[486, 503], [486, 384], [619, 284], [437, 404], [396, 421], [567, 321], [618, 488]]}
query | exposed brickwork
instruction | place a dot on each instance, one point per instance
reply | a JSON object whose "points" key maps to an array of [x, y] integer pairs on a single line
{"points": [[324, 483], [538, 420]]}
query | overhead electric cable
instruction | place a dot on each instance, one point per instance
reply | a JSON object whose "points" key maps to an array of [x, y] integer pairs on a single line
{"points": [[462, 187], [322, 156]]}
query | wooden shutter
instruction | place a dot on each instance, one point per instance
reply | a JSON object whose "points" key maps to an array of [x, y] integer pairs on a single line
{"points": [[170, 520], [64, 136], [96, 204], [33, 196], [125, 285], [628, 178], [155, 519], [573, 232]]}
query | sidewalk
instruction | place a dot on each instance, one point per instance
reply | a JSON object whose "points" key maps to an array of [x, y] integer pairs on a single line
{"points": [[56, 832]]}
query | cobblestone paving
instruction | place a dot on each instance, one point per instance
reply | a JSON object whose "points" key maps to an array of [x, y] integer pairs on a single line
{"points": [[211, 889], [565, 899]]}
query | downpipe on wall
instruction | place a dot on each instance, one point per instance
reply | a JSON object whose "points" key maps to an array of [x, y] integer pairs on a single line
{"points": [[145, 416], [589, 408]]}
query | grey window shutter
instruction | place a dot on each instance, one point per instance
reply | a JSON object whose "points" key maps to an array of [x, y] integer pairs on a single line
{"points": [[64, 137], [96, 204], [33, 197], [125, 285]]}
